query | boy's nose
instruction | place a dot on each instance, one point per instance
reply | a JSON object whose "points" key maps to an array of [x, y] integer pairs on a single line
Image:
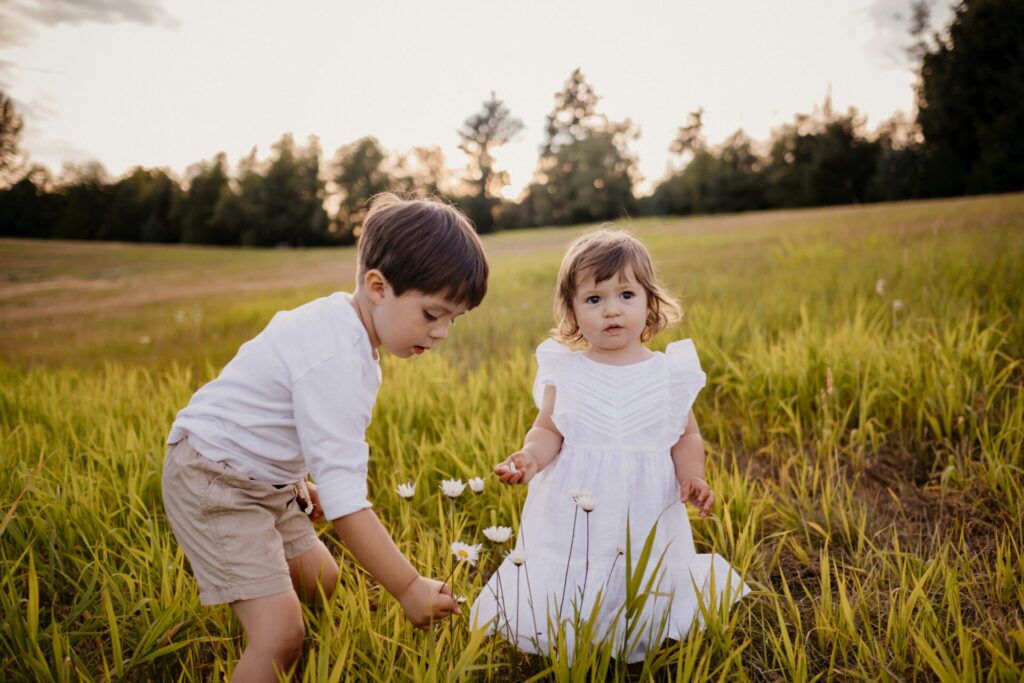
{"points": [[440, 332]]}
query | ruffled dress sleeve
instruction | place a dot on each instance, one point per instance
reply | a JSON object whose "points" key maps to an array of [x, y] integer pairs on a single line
{"points": [[687, 379], [552, 358]]}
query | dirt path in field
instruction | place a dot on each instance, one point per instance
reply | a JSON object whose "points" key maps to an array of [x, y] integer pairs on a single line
{"points": [[49, 280], [46, 281]]}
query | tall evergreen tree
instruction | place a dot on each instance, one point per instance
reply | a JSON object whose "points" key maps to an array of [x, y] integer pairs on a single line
{"points": [[586, 171], [482, 133], [11, 124]]}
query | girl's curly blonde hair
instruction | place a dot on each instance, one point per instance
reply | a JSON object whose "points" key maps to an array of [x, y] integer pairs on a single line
{"points": [[606, 253]]}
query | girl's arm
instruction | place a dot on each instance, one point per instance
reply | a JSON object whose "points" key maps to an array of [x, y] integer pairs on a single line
{"points": [[542, 444], [688, 459]]}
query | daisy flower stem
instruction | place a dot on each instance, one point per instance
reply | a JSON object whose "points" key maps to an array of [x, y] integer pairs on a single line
{"points": [[533, 611], [517, 605], [565, 582], [586, 566], [610, 571], [450, 575]]}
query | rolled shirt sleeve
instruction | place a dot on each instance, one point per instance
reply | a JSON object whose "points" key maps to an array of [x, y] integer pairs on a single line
{"points": [[333, 404]]}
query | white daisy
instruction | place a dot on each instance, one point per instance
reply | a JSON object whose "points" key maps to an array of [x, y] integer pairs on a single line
{"points": [[465, 552], [498, 534], [476, 484], [407, 490], [587, 503], [576, 494], [452, 488], [516, 557]]}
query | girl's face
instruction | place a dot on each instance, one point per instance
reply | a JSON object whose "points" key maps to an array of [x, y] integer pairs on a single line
{"points": [[611, 314]]}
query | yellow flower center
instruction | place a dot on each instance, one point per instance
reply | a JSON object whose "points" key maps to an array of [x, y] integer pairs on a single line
{"points": [[463, 552]]}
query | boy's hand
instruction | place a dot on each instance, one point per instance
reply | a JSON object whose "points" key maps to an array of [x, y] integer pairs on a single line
{"points": [[317, 513], [425, 601], [518, 468], [696, 491]]}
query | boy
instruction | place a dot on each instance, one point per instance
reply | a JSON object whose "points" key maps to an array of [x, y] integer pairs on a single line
{"points": [[298, 397]]}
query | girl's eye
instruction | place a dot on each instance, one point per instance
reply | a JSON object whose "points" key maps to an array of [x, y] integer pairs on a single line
{"points": [[593, 299], [430, 318], [627, 295]]}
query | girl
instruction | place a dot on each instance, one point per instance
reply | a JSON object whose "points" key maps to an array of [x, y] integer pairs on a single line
{"points": [[615, 440]]}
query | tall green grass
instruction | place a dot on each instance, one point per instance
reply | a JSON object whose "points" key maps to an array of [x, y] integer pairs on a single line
{"points": [[866, 456]]}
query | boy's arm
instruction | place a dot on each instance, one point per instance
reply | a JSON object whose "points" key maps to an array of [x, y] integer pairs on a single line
{"points": [[369, 542], [542, 443], [688, 461]]}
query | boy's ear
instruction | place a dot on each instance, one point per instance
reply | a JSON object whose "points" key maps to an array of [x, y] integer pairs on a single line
{"points": [[375, 284]]}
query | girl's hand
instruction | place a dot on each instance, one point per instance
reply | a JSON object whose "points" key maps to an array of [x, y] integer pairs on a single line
{"points": [[518, 468], [318, 511], [696, 491]]}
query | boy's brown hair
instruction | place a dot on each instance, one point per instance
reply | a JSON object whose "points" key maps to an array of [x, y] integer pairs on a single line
{"points": [[424, 245], [607, 253]]}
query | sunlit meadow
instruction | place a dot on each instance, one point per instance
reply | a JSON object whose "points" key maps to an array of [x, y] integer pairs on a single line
{"points": [[864, 420]]}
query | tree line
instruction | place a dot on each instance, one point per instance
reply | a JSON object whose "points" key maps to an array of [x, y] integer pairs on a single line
{"points": [[965, 139]]}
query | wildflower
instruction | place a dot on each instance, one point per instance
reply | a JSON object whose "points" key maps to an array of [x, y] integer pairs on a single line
{"points": [[517, 557], [465, 552], [452, 488], [576, 494], [880, 286], [407, 490], [620, 551], [498, 534], [829, 387], [476, 484], [587, 502], [897, 304], [459, 599]]}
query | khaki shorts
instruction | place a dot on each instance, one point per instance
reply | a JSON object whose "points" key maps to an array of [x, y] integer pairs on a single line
{"points": [[238, 534]]}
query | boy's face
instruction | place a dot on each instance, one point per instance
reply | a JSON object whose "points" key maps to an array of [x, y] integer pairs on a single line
{"points": [[414, 322], [611, 314]]}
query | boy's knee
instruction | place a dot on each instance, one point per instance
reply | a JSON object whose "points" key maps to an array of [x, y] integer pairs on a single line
{"points": [[285, 640], [291, 643], [329, 579]]}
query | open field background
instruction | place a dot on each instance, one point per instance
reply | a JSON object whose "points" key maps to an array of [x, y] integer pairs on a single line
{"points": [[878, 514]]}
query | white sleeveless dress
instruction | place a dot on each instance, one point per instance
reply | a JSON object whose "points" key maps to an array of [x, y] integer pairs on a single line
{"points": [[619, 424]]}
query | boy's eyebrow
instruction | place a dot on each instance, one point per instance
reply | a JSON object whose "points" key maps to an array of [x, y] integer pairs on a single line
{"points": [[444, 309]]}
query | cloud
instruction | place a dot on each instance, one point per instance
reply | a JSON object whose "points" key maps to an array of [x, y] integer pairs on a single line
{"points": [[20, 19]]}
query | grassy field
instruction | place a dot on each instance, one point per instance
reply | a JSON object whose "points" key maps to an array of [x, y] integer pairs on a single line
{"points": [[864, 418]]}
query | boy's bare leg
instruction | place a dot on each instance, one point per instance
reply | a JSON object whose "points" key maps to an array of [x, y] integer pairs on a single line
{"points": [[274, 634], [316, 563]]}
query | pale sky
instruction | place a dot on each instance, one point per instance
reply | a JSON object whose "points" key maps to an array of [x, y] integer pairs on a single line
{"points": [[139, 82]]}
